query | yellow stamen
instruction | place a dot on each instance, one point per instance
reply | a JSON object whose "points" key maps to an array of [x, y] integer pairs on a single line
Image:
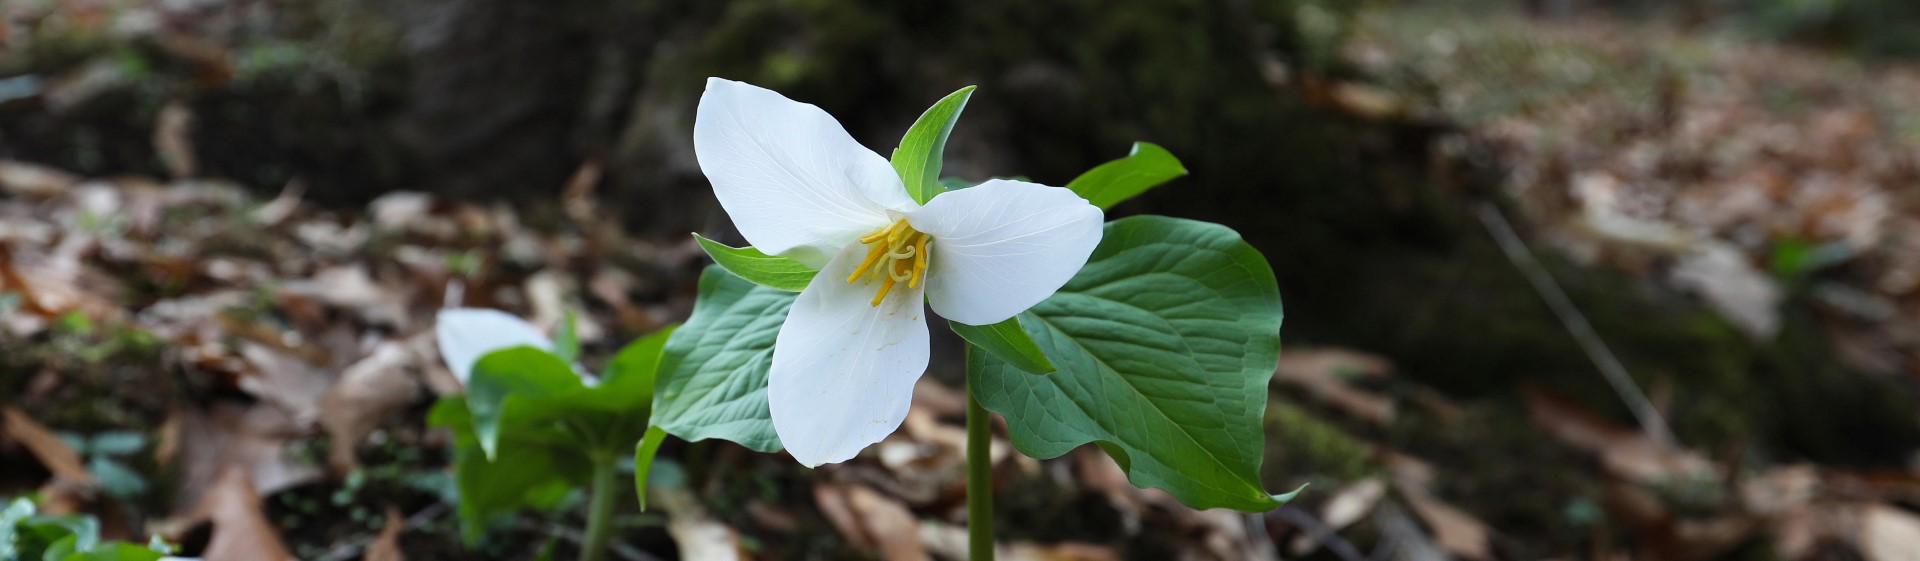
{"points": [[919, 261], [897, 253], [885, 286], [873, 256]]}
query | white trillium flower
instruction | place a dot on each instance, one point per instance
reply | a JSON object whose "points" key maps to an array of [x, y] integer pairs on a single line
{"points": [[797, 185], [466, 334]]}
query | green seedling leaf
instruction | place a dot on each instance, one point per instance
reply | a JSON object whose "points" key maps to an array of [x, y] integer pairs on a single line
{"points": [[116, 478], [778, 273], [1165, 343], [713, 377], [919, 157], [1007, 341], [505, 377], [116, 443], [1146, 166]]}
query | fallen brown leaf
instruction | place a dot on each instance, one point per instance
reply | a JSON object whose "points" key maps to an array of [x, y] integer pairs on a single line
{"points": [[241, 531], [71, 480], [1453, 529], [367, 392], [386, 546], [872, 520], [1888, 533], [205, 444], [1348, 504], [1324, 372], [1626, 453]]}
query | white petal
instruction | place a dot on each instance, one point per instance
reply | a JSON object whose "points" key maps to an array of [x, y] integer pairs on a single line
{"points": [[843, 370], [466, 334], [794, 182], [1002, 246]]}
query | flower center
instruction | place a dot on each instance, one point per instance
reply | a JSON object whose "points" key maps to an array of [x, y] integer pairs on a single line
{"points": [[896, 253]]}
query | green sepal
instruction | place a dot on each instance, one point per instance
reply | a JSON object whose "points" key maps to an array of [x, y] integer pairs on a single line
{"points": [[1006, 341], [919, 157], [1145, 167], [771, 271]]}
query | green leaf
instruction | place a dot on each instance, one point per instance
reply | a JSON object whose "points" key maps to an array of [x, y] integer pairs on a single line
{"points": [[116, 551], [779, 273], [643, 453], [918, 159], [116, 443], [505, 376], [713, 378], [636, 365], [1007, 341], [566, 340], [1165, 342], [537, 471], [1146, 166], [117, 479], [61, 549]]}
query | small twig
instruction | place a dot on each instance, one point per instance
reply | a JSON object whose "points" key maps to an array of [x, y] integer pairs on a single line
{"points": [[346, 551], [1321, 533], [1576, 324]]}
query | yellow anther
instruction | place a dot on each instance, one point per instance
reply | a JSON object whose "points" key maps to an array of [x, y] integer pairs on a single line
{"points": [[885, 286], [897, 253], [919, 261]]}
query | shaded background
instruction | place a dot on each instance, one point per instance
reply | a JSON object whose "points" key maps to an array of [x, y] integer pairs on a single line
{"points": [[1724, 188]]}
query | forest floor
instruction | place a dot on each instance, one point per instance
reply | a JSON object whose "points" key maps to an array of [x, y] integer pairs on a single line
{"points": [[250, 376]]}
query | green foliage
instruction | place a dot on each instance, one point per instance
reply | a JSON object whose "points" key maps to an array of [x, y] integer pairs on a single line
{"points": [[643, 454], [26, 535], [1145, 167], [541, 474], [1007, 341], [529, 431], [1165, 343], [566, 340], [919, 157], [102, 451], [714, 371], [778, 273], [520, 377]]}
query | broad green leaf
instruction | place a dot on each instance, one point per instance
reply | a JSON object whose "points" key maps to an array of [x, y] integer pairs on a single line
{"points": [[566, 340], [713, 377], [1007, 341], [61, 549], [643, 453], [779, 273], [507, 376], [636, 364], [532, 472], [1165, 343], [1145, 167], [919, 157]]}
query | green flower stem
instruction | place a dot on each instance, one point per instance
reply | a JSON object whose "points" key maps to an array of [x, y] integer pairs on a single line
{"points": [[600, 507], [979, 480]]}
